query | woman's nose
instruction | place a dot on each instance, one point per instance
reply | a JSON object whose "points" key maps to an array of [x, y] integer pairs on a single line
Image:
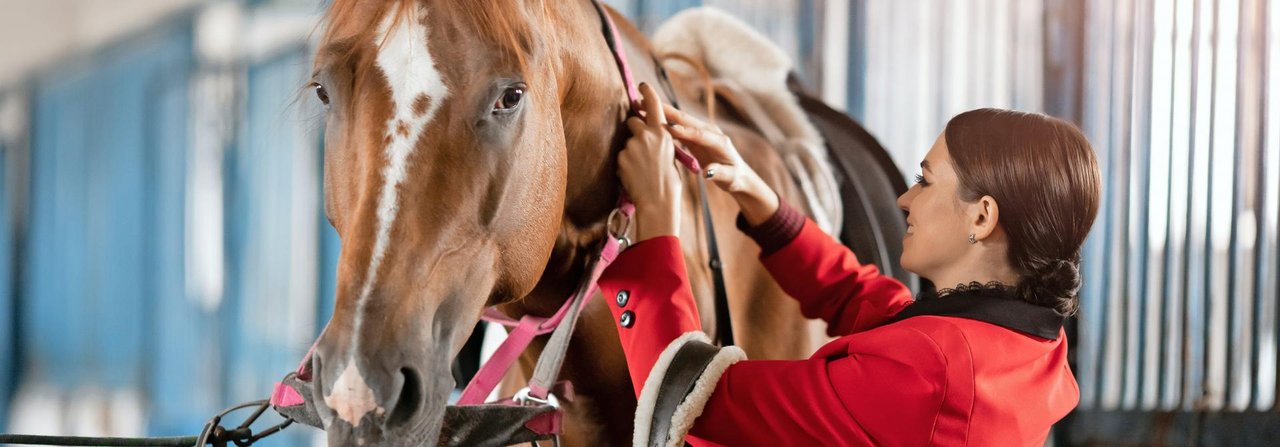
{"points": [[904, 200]]}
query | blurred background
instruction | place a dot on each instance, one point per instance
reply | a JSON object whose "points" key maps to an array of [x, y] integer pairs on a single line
{"points": [[163, 249]]}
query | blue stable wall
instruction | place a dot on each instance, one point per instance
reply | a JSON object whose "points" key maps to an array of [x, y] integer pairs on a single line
{"points": [[104, 297], [8, 314], [103, 301], [281, 252], [93, 262]]}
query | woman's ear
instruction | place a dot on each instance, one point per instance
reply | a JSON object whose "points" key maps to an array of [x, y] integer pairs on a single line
{"points": [[985, 218]]}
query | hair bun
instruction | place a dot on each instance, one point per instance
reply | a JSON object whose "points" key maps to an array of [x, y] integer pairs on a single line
{"points": [[1052, 283]]}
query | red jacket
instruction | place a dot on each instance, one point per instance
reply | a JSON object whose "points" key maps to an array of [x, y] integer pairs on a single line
{"points": [[925, 380]]}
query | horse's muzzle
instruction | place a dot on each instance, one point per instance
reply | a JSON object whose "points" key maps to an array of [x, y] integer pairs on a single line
{"points": [[366, 405]]}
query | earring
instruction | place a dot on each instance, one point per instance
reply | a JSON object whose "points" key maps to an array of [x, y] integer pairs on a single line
{"points": [[972, 239]]}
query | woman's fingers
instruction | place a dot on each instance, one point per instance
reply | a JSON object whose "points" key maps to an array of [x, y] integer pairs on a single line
{"points": [[690, 129], [722, 175], [652, 105], [637, 125], [706, 137], [677, 116]]}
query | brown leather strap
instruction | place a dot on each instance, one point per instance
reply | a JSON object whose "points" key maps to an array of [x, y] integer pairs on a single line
{"points": [[683, 373]]}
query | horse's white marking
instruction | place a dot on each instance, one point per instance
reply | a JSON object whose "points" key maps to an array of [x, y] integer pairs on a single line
{"points": [[406, 63], [351, 397], [405, 60]]}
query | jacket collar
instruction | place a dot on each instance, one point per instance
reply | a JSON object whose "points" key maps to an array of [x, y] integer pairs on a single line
{"points": [[991, 304]]}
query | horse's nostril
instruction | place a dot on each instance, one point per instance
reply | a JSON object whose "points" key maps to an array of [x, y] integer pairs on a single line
{"points": [[409, 401]]}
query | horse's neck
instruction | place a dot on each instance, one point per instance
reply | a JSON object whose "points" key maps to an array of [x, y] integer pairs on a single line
{"points": [[593, 106]]}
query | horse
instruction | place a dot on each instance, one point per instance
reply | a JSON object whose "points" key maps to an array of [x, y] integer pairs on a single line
{"points": [[469, 162]]}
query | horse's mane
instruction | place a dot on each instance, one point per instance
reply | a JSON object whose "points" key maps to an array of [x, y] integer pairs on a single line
{"points": [[501, 23]]}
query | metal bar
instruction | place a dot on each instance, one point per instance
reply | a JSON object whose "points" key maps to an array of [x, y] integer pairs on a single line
{"points": [[1159, 132], [1268, 279], [1145, 312], [1197, 223], [1175, 352], [1241, 370], [1095, 312], [1219, 201], [1118, 350]]}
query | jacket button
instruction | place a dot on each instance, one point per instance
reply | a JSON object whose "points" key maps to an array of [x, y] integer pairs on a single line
{"points": [[622, 298], [628, 319]]}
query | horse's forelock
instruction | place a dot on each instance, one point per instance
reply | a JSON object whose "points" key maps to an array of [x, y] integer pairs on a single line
{"points": [[503, 25]]}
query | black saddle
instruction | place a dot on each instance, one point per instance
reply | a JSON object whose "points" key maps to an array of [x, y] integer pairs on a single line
{"points": [[870, 184]]}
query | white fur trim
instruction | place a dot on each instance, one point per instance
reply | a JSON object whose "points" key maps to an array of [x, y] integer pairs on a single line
{"points": [[688, 410], [691, 408], [746, 61]]}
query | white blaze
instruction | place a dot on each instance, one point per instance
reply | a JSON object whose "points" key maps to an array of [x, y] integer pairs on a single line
{"points": [[405, 61], [410, 72], [351, 397]]}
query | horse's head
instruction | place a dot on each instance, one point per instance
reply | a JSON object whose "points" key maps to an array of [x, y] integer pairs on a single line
{"points": [[446, 175]]}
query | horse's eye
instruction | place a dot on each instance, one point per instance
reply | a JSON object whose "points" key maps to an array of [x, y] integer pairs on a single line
{"points": [[321, 93], [509, 99]]}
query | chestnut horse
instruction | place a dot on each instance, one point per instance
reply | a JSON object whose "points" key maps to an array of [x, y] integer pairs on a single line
{"points": [[469, 162]]}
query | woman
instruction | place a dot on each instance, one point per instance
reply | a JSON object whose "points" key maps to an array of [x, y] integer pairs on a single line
{"points": [[996, 218]]}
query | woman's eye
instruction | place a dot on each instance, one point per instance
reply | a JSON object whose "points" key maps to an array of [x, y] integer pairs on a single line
{"points": [[509, 99], [321, 93], [920, 180]]}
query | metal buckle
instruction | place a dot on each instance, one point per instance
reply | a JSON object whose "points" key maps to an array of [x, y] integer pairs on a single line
{"points": [[242, 436], [555, 442], [523, 397], [626, 225]]}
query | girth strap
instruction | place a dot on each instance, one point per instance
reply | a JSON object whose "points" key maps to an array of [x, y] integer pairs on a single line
{"points": [[724, 322]]}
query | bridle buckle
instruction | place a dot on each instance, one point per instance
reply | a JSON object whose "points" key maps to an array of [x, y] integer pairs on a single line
{"points": [[616, 218], [523, 397]]}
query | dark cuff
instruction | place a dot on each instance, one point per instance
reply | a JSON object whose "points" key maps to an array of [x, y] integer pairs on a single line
{"points": [[773, 234]]}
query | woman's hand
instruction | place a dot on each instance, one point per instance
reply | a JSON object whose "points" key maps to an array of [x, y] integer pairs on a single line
{"points": [[648, 171], [723, 165]]}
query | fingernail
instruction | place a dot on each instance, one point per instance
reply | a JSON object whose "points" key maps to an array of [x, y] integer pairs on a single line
{"points": [[711, 172]]}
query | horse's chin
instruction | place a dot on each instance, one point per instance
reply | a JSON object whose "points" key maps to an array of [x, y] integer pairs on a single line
{"points": [[415, 421], [425, 431]]}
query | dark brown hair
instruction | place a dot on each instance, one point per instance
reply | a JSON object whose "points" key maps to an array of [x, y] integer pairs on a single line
{"points": [[1044, 176]]}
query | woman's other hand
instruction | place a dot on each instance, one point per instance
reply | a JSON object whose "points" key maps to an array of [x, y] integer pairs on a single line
{"points": [[723, 165], [648, 170]]}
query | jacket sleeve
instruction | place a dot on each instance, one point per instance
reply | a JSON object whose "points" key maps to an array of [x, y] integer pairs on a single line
{"points": [[890, 394], [824, 275], [647, 290], [887, 392]]}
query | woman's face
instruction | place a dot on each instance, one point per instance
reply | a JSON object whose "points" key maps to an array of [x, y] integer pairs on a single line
{"points": [[937, 228]]}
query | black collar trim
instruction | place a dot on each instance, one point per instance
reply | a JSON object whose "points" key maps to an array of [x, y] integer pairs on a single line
{"points": [[995, 306]]}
